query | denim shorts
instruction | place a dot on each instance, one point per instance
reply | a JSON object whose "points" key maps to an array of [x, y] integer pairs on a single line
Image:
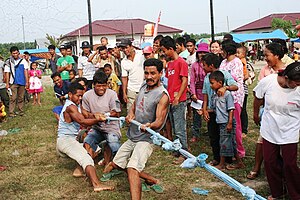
{"points": [[94, 138]]}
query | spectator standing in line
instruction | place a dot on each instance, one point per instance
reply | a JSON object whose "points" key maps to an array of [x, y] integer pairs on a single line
{"points": [[53, 58]]}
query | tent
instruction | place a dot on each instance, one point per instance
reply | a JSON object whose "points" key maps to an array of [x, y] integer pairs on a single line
{"points": [[37, 54], [247, 37], [295, 40]]}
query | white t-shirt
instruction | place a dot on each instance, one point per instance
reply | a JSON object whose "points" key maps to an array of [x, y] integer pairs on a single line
{"points": [[134, 70], [190, 60], [281, 119], [88, 69]]}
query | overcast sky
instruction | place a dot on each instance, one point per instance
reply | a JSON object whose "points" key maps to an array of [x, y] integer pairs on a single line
{"points": [[57, 17]]}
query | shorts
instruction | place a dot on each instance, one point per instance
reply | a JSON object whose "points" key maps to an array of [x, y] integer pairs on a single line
{"points": [[94, 138], [259, 139], [227, 141], [133, 155]]}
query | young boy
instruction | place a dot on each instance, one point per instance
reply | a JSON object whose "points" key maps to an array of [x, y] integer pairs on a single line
{"points": [[65, 63], [211, 63], [113, 81], [72, 74], [223, 107], [2, 112]]}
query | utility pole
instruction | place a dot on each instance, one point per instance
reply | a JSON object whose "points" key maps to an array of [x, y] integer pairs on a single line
{"points": [[90, 23], [23, 32], [212, 20], [227, 20]]}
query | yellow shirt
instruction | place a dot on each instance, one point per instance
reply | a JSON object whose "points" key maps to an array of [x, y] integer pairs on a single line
{"points": [[114, 82], [2, 110]]}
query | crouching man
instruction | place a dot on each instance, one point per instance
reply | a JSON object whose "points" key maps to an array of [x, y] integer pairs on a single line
{"points": [[69, 123], [150, 108]]}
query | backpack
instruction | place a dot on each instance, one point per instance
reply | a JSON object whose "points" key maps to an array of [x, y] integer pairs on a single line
{"points": [[251, 74]]}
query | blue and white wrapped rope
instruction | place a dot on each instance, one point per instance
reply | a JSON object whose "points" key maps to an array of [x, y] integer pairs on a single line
{"points": [[192, 161]]}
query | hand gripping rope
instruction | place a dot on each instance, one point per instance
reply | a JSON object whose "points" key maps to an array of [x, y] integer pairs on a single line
{"points": [[193, 161]]}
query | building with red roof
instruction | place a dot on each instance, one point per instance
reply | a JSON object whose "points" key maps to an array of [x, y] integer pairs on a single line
{"points": [[115, 30], [264, 24]]}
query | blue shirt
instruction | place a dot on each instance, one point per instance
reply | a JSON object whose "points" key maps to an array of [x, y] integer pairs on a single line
{"points": [[228, 80], [221, 106], [59, 92]]}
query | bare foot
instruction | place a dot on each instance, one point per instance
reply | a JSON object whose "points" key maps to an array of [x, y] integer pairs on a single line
{"points": [[39, 103], [101, 187], [220, 167], [78, 172], [34, 103], [108, 168]]}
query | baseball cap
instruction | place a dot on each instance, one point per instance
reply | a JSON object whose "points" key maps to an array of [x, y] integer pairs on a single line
{"points": [[85, 44], [63, 46], [125, 42], [147, 49]]}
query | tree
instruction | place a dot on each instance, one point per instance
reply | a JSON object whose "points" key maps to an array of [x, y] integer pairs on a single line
{"points": [[4, 47], [286, 26], [53, 40]]}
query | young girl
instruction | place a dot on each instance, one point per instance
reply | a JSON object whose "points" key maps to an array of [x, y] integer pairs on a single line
{"points": [[35, 84]]}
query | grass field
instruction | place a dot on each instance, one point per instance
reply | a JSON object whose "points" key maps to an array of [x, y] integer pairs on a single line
{"points": [[36, 172]]}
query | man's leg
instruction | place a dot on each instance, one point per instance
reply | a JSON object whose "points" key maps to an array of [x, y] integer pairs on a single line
{"points": [[72, 148], [196, 126], [214, 137], [13, 99], [135, 184], [4, 97], [20, 96], [91, 142]]}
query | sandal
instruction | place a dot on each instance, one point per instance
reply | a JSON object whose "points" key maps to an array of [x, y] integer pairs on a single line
{"points": [[252, 175], [108, 176], [157, 188], [145, 187]]}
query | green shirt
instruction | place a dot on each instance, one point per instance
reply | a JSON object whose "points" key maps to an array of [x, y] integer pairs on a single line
{"points": [[62, 62]]}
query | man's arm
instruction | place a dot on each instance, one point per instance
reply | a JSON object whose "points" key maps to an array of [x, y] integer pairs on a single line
{"points": [[80, 72], [26, 78], [205, 112], [131, 114], [184, 82], [76, 116], [124, 87], [7, 76], [230, 118]]}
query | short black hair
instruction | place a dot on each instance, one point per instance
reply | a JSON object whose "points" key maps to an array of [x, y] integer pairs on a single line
{"points": [[154, 62], [69, 47], [292, 71], [101, 48], [229, 46], [13, 48], [212, 59], [283, 44], [158, 37], [26, 53], [181, 41], [276, 49], [55, 74], [51, 47], [168, 43], [73, 70], [100, 77], [107, 65], [217, 75], [74, 87], [192, 41], [228, 36], [77, 80]]}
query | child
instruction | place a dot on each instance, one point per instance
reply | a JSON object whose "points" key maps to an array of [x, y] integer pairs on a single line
{"points": [[113, 81], [72, 74], [223, 106], [35, 84], [241, 54], [2, 112]]}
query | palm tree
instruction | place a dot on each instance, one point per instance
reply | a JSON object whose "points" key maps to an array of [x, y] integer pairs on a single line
{"points": [[53, 40]]}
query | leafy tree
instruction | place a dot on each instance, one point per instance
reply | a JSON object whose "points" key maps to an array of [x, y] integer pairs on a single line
{"points": [[286, 26], [52, 40], [4, 47]]}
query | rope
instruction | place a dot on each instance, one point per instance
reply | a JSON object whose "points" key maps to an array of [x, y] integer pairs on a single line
{"points": [[192, 161]]}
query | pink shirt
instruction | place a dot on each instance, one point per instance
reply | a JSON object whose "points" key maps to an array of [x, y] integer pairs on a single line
{"points": [[265, 71], [197, 80], [235, 68]]}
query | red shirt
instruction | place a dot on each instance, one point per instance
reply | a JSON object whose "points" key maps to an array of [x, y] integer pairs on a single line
{"points": [[176, 69]]}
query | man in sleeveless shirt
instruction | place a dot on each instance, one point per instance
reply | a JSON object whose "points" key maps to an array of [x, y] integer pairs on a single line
{"points": [[150, 108]]}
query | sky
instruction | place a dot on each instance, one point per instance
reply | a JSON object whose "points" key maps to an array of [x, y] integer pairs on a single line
{"points": [[57, 17]]}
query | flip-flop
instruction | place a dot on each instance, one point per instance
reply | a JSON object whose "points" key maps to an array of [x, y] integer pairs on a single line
{"points": [[145, 187], [108, 176], [2, 168], [157, 188]]}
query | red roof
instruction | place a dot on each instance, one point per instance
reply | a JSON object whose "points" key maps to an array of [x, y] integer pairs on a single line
{"points": [[120, 27], [265, 22]]}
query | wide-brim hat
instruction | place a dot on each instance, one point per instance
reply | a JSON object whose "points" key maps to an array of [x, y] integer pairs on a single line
{"points": [[203, 47]]}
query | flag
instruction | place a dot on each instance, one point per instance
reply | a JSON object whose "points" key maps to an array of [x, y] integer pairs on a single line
{"points": [[156, 25]]}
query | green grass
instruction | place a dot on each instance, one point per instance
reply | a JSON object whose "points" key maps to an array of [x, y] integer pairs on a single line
{"points": [[38, 173]]}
